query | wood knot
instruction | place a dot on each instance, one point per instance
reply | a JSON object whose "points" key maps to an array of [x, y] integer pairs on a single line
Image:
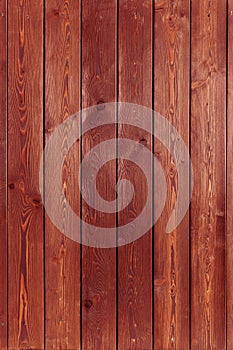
{"points": [[48, 129], [173, 291], [171, 20], [56, 12], [88, 304], [172, 170], [11, 186], [143, 141], [100, 105], [36, 202]]}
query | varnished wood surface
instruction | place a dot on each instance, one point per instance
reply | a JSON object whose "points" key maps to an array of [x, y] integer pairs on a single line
{"points": [[163, 291]]}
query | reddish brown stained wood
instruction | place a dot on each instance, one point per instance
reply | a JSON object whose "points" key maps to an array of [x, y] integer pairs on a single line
{"points": [[207, 303], [3, 233], [98, 82], [25, 213], [135, 260], [208, 133], [171, 100], [62, 100], [229, 182]]}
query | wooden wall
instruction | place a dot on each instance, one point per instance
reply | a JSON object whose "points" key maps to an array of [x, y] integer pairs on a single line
{"points": [[163, 291]]}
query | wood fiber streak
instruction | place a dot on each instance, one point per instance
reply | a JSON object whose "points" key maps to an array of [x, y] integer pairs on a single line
{"points": [[208, 133], [98, 87], [230, 181], [63, 100], [171, 100], [135, 259], [25, 213], [3, 233]]}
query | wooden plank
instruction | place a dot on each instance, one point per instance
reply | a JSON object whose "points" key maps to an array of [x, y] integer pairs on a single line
{"points": [[62, 100], [135, 259], [3, 232], [229, 181], [208, 133], [171, 100], [98, 82], [25, 142]]}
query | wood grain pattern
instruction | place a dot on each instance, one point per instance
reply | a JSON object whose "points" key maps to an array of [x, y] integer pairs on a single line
{"points": [[171, 100], [163, 291], [229, 221], [99, 87], [62, 100], [208, 135], [25, 213], [3, 204], [135, 260]]}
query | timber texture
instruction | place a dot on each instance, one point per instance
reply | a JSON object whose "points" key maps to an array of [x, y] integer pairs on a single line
{"points": [[163, 291]]}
